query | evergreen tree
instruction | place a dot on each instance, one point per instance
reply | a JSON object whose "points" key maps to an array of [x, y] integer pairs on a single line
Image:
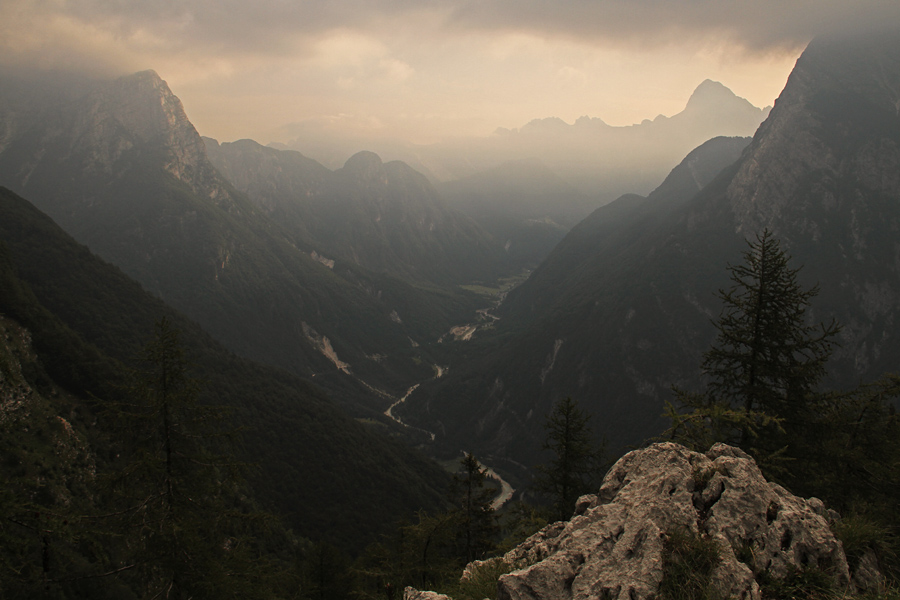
{"points": [[765, 366], [176, 490], [764, 371], [424, 554], [325, 573], [430, 537], [576, 462], [476, 521]]}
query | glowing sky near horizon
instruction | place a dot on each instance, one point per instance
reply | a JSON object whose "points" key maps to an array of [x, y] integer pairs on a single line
{"points": [[423, 70]]}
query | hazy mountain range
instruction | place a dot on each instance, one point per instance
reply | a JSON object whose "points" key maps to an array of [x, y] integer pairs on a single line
{"points": [[353, 275], [621, 309], [600, 160], [119, 166]]}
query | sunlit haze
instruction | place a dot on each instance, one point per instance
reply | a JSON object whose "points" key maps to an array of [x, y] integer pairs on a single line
{"points": [[423, 71]]}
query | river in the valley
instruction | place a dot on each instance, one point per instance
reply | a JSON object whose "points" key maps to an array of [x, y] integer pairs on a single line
{"points": [[506, 490], [463, 333]]}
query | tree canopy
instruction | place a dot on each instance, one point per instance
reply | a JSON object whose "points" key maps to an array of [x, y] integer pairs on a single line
{"points": [[576, 461], [764, 369], [178, 484], [764, 393]]}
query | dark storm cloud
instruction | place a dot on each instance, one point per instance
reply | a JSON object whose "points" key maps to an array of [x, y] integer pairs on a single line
{"points": [[758, 25], [420, 64], [281, 27], [233, 26]]}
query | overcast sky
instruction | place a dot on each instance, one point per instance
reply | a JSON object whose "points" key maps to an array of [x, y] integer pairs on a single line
{"points": [[426, 69]]}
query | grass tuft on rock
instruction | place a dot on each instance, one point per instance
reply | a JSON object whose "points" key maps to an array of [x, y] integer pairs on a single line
{"points": [[689, 563]]}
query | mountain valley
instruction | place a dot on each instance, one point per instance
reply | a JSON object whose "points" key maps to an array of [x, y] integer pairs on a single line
{"points": [[621, 309], [123, 170], [363, 324]]}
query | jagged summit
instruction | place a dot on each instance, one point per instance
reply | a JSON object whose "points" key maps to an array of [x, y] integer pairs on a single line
{"points": [[586, 121], [713, 104], [545, 125], [711, 94], [143, 104]]}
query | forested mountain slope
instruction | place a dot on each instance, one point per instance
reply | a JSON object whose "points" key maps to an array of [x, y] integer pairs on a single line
{"points": [[621, 309], [328, 475]]}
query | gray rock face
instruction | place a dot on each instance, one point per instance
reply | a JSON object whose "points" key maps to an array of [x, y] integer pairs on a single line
{"points": [[852, 87], [414, 594], [614, 545], [96, 134], [138, 111], [823, 175]]}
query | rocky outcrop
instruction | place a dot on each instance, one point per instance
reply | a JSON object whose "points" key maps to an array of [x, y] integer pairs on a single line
{"points": [[618, 541], [34, 437], [414, 594], [615, 544]]}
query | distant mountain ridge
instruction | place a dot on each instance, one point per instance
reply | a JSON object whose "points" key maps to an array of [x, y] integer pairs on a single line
{"points": [[711, 102], [621, 309], [600, 160], [382, 216]]}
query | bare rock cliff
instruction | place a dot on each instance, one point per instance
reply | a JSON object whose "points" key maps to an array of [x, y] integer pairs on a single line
{"points": [[831, 143], [140, 109], [97, 131]]}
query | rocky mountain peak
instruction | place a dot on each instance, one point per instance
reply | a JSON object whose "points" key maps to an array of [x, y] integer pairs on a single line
{"points": [[100, 133], [838, 118], [713, 103], [548, 125], [141, 106], [710, 94], [141, 109]]}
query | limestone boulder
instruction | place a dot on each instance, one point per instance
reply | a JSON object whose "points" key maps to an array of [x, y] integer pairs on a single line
{"points": [[411, 593], [614, 545]]}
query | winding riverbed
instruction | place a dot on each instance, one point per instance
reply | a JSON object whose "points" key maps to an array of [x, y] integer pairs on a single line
{"points": [[506, 490], [389, 413]]}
